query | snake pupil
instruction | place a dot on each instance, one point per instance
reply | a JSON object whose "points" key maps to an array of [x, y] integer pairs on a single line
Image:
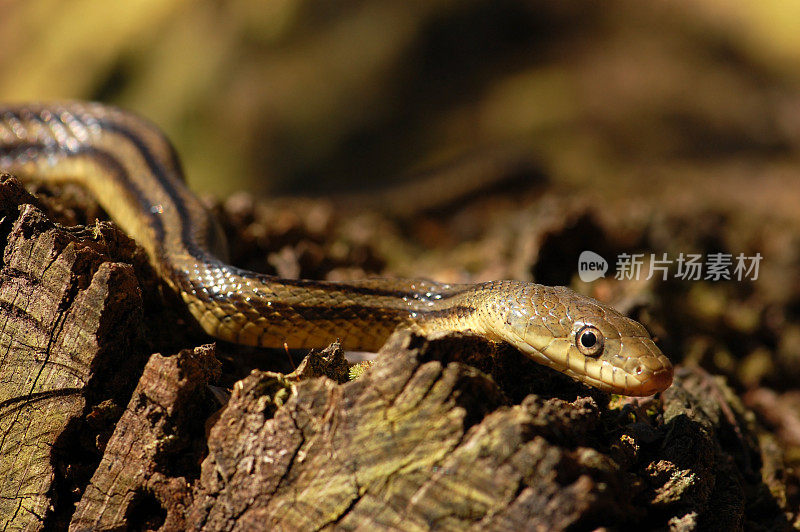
{"points": [[588, 339]]}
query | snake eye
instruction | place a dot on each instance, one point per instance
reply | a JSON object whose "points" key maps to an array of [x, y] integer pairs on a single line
{"points": [[589, 341]]}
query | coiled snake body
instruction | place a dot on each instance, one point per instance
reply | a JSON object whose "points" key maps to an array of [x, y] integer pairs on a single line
{"points": [[133, 171]]}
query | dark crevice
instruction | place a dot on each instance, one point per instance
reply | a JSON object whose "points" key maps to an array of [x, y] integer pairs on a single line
{"points": [[145, 512]]}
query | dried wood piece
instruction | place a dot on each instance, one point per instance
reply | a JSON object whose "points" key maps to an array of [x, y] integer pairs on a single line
{"points": [[424, 441], [161, 435], [708, 471], [66, 311], [416, 442], [330, 362]]}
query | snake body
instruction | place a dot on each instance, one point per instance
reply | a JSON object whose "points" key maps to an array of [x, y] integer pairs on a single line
{"points": [[132, 170]]}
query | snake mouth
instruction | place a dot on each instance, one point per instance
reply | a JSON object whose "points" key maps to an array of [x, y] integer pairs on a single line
{"points": [[647, 371], [624, 383]]}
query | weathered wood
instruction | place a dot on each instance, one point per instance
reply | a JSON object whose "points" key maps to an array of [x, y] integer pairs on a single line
{"points": [[66, 308], [440, 433], [422, 442], [160, 427]]}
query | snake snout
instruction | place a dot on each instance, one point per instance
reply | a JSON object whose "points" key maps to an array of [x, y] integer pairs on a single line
{"points": [[646, 370], [657, 382]]}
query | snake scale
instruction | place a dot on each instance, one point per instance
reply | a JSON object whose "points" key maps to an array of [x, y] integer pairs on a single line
{"points": [[134, 173]]}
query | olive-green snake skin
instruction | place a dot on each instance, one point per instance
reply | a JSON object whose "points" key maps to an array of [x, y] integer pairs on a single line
{"points": [[133, 171]]}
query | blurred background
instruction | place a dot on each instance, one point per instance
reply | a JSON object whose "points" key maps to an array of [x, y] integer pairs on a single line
{"points": [[475, 140], [308, 96]]}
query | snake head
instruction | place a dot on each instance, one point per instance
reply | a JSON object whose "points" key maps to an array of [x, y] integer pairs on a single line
{"points": [[576, 335]]}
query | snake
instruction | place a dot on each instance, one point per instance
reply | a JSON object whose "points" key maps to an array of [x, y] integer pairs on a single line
{"points": [[133, 171]]}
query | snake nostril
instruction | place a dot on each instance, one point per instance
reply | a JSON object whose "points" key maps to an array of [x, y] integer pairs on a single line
{"points": [[638, 369]]}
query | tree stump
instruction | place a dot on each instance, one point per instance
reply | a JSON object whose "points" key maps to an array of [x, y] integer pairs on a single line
{"points": [[446, 432]]}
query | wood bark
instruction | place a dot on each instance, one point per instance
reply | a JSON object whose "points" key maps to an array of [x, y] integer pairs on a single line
{"points": [[159, 427], [67, 312]]}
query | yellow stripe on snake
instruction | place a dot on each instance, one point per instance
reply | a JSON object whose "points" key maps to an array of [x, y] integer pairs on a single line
{"points": [[131, 168]]}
